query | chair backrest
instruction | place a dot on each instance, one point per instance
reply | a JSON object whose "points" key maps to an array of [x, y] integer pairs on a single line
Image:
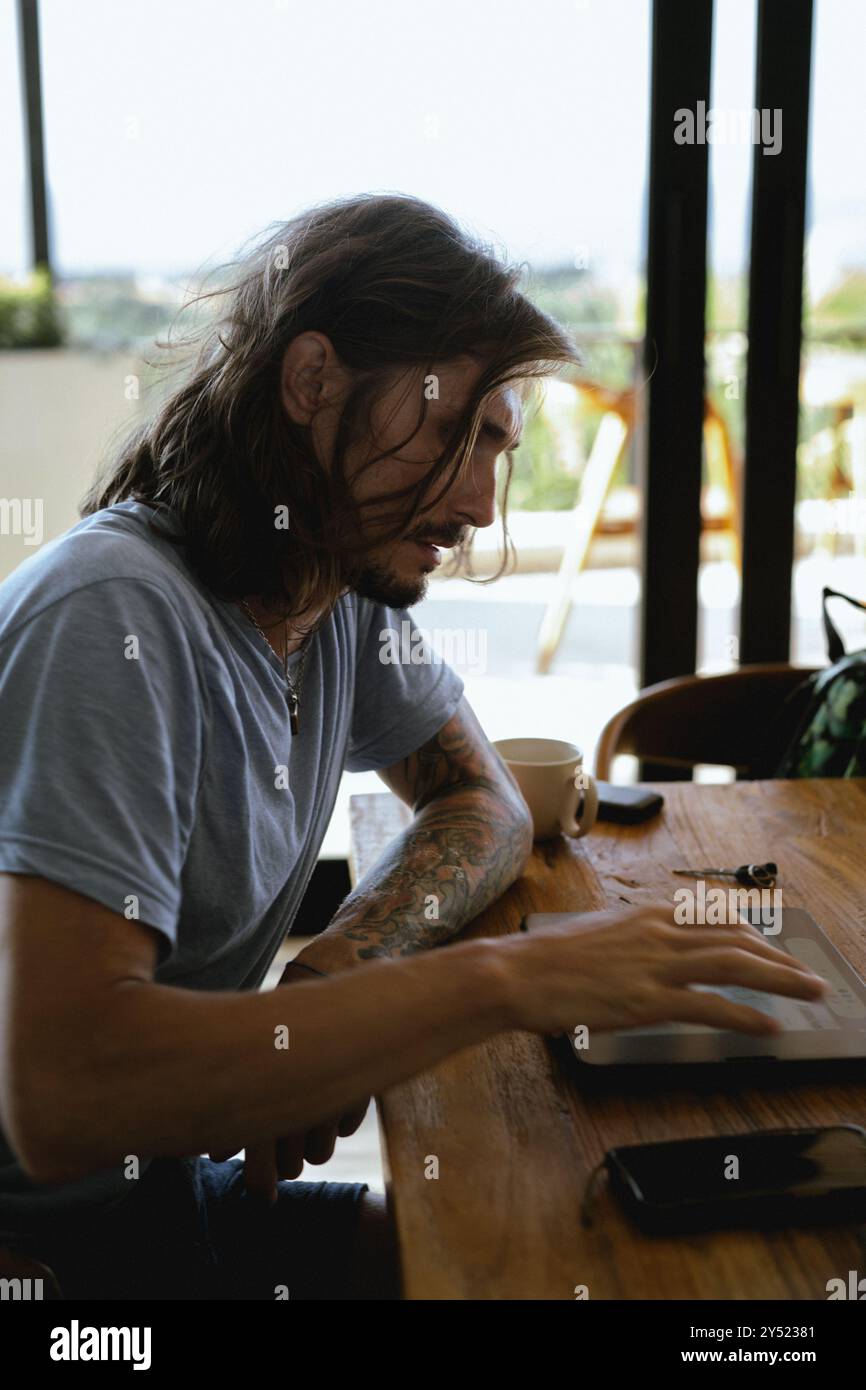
{"points": [[741, 719]]}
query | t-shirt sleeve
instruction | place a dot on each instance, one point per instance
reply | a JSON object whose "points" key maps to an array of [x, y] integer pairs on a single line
{"points": [[102, 747], [404, 692]]}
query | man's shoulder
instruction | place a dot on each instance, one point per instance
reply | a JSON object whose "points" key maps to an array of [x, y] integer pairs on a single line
{"points": [[112, 551]]}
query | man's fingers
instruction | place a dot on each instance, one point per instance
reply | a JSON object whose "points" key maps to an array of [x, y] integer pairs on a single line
{"points": [[744, 937], [260, 1170], [320, 1143], [353, 1119], [290, 1155], [714, 1011], [731, 966], [315, 1145]]}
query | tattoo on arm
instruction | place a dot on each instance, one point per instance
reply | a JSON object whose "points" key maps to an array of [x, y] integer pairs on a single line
{"points": [[468, 842]]}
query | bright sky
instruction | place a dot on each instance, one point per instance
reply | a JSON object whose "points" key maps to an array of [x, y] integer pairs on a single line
{"points": [[177, 129]]}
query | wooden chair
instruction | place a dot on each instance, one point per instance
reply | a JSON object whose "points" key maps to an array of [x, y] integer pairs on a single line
{"points": [[742, 719], [620, 414]]}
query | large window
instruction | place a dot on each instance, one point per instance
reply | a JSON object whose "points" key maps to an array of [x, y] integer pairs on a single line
{"points": [[831, 464], [729, 207], [175, 133]]}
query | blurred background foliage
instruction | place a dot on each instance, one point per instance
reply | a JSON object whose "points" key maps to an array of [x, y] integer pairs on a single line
{"points": [[29, 313]]}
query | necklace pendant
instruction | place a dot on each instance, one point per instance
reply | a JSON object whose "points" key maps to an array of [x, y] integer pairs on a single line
{"points": [[294, 722]]}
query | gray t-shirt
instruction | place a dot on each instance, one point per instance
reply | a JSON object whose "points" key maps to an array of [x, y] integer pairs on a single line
{"points": [[146, 759]]}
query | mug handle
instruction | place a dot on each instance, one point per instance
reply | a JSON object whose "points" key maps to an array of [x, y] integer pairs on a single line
{"points": [[583, 789]]}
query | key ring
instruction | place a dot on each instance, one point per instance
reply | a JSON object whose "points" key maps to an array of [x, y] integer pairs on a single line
{"points": [[750, 875], [759, 875]]}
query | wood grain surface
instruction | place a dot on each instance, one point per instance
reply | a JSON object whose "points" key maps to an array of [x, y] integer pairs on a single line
{"points": [[517, 1135]]}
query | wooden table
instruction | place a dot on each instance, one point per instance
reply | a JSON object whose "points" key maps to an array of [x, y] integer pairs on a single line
{"points": [[515, 1136]]}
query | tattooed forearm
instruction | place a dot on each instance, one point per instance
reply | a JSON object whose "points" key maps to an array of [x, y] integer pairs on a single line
{"points": [[456, 858], [469, 841]]}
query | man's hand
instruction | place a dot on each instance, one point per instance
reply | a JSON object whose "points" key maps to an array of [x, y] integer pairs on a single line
{"points": [[265, 1164], [631, 969]]}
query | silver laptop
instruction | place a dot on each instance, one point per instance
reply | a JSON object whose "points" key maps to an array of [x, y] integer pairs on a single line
{"points": [[835, 1028]]}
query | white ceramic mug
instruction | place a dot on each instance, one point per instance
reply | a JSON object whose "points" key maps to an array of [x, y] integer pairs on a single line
{"points": [[561, 796]]}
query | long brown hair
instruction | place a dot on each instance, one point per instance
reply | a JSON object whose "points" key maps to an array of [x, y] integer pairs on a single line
{"points": [[393, 282]]}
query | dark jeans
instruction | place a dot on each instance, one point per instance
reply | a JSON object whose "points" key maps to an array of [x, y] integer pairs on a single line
{"points": [[189, 1230]]}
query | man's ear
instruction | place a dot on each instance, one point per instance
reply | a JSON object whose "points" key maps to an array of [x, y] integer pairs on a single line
{"points": [[306, 362]]}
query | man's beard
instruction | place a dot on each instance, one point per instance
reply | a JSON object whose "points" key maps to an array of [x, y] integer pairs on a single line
{"points": [[376, 583]]}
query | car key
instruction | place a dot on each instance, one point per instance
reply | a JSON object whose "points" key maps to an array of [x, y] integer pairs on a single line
{"points": [[750, 875]]}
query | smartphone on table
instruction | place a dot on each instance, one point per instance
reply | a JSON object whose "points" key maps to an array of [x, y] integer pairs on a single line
{"points": [[776, 1177], [627, 805]]}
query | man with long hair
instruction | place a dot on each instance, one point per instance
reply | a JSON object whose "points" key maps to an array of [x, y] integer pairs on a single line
{"points": [[184, 676]]}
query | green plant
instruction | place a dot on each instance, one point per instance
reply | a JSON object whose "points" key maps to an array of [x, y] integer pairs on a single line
{"points": [[29, 315]]}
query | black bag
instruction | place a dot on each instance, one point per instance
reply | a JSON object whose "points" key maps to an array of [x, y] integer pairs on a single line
{"points": [[831, 737]]}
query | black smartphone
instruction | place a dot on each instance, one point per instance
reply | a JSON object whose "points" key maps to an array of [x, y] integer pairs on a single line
{"points": [[776, 1177], [628, 805]]}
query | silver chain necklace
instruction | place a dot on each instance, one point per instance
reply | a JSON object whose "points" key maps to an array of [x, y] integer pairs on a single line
{"points": [[293, 691]]}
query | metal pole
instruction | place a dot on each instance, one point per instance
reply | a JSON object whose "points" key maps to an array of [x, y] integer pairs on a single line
{"points": [[31, 86]]}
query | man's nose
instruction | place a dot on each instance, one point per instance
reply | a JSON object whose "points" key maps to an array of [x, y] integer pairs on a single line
{"points": [[474, 496]]}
